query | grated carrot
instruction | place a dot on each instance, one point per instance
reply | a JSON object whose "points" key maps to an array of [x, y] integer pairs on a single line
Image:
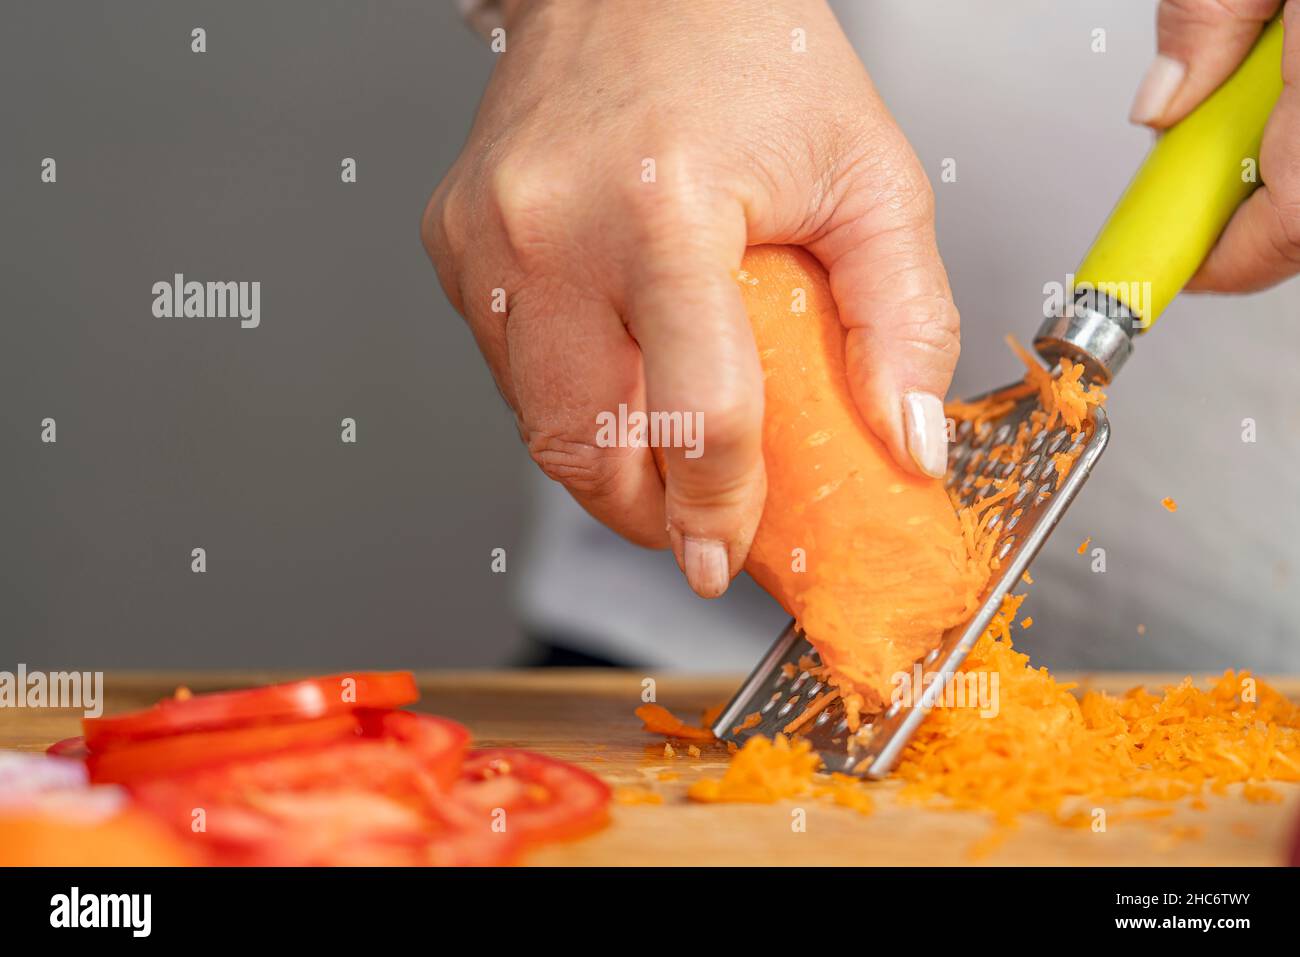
{"points": [[762, 771], [1083, 546], [1169, 504], [752, 720], [1047, 748], [659, 720], [811, 711]]}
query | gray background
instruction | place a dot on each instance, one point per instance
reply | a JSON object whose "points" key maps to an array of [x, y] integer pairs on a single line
{"points": [[181, 433]]}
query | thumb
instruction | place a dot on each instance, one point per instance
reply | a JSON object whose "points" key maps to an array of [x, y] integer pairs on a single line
{"points": [[1200, 43], [893, 297]]}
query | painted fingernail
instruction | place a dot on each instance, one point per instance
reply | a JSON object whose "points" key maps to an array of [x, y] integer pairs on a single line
{"points": [[1164, 77], [927, 433], [707, 568]]}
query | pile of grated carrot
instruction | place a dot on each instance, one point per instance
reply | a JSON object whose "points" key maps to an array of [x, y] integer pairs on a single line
{"points": [[1046, 747]]}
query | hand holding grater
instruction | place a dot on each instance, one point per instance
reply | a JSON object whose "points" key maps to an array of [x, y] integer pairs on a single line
{"points": [[1155, 239]]}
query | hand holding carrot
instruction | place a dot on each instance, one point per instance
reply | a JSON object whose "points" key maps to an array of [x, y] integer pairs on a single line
{"points": [[623, 157]]}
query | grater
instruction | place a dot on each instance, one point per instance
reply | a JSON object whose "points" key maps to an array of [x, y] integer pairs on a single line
{"points": [[1152, 243]]}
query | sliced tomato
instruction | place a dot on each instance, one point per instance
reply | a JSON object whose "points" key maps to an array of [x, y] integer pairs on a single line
{"points": [[320, 827], [74, 748], [542, 799], [292, 701], [377, 799], [158, 757]]}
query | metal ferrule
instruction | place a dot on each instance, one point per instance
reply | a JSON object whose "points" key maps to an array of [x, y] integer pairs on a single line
{"points": [[1096, 331]]}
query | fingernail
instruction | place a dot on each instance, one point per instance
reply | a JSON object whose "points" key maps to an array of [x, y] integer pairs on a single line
{"points": [[707, 568], [1164, 77], [927, 433]]}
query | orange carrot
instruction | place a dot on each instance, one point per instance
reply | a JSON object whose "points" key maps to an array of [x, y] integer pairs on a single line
{"points": [[885, 568]]}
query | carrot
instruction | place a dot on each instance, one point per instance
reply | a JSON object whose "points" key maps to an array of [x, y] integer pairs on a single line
{"points": [[885, 568]]}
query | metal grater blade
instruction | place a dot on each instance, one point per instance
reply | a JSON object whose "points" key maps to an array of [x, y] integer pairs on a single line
{"points": [[780, 686]]}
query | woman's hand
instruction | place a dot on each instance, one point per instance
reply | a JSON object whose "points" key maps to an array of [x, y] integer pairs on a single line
{"points": [[624, 155], [1201, 42]]}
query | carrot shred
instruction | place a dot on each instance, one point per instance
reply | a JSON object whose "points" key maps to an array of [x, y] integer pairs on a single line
{"points": [[1083, 546], [813, 708], [636, 795], [659, 720], [752, 720], [1169, 504]]}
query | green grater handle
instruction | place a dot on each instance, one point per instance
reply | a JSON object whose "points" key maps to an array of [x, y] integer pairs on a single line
{"points": [[1185, 192]]}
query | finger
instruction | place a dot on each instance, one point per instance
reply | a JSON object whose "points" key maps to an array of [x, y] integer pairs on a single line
{"points": [[1261, 244], [578, 379], [685, 310], [1200, 43], [892, 294]]}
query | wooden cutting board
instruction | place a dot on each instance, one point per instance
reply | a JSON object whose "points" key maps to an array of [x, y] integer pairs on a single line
{"points": [[586, 717]]}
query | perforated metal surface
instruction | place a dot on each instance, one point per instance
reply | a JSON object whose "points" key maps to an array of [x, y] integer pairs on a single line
{"points": [[780, 687]]}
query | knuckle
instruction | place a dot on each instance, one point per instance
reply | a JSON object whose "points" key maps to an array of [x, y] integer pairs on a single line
{"points": [[440, 247], [1287, 211], [529, 197], [580, 466], [677, 196], [932, 327], [728, 425], [908, 192], [893, 178]]}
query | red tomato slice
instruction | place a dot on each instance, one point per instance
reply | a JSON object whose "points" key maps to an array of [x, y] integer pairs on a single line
{"points": [[157, 757], [296, 701], [376, 799], [74, 748], [543, 799]]}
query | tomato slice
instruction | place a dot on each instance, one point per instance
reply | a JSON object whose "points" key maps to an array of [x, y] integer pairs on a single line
{"points": [[293, 701], [542, 799], [74, 748], [376, 799], [157, 757]]}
